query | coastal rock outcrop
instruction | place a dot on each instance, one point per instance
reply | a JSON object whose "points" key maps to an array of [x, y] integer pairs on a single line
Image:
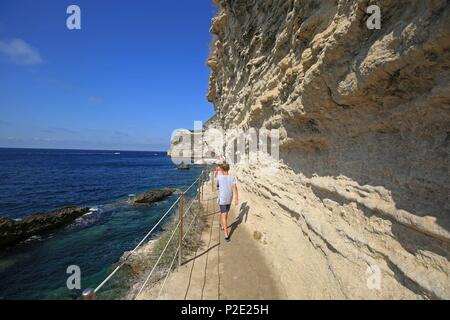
{"points": [[15, 231], [135, 264], [152, 196], [364, 119], [196, 146]]}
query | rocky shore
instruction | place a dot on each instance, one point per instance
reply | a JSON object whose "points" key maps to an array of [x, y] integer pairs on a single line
{"points": [[13, 231]]}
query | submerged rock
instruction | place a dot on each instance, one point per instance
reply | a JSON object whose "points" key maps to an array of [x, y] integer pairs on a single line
{"points": [[15, 231], [152, 196]]}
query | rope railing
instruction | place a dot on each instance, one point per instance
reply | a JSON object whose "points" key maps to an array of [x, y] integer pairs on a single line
{"points": [[90, 294], [166, 246], [174, 257], [159, 259], [135, 248]]}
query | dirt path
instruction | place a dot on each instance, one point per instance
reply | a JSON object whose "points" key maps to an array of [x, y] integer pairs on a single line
{"points": [[220, 269]]}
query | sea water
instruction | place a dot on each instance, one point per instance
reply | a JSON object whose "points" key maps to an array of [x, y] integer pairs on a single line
{"points": [[33, 180]]}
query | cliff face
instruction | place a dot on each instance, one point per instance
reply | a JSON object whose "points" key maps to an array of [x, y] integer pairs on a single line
{"points": [[364, 117]]}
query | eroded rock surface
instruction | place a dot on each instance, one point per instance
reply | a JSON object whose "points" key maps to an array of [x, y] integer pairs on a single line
{"points": [[364, 117]]}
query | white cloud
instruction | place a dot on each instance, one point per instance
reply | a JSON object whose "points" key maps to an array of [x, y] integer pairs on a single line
{"points": [[20, 52]]}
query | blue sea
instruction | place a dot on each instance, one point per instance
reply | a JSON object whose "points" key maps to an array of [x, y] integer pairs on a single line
{"points": [[33, 180]]}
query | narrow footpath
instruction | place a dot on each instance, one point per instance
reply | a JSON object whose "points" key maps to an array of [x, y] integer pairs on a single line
{"points": [[220, 270]]}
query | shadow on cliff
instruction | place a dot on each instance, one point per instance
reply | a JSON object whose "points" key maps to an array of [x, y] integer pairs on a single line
{"points": [[412, 174], [411, 240], [392, 128]]}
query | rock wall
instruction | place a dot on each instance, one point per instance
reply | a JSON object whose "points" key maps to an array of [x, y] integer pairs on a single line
{"points": [[364, 117], [197, 146], [182, 146], [192, 147]]}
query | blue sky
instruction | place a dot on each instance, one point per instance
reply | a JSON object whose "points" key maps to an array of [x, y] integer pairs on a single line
{"points": [[133, 73]]}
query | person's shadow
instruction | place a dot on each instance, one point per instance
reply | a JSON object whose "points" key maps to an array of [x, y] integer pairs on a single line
{"points": [[243, 214]]}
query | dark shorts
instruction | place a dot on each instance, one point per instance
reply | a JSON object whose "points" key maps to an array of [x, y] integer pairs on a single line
{"points": [[224, 208]]}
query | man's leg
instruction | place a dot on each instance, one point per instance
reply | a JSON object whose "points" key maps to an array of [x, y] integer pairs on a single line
{"points": [[221, 217], [224, 217]]}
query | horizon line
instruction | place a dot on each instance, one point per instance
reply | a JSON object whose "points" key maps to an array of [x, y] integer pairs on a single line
{"points": [[76, 149]]}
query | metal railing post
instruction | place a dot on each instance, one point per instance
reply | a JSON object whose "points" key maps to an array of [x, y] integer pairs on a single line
{"points": [[202, 183], [181, 213], [88, 294], [198, 191]]}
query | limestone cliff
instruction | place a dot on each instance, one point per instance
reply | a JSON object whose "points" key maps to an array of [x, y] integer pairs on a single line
{"points": [[364, 117], [196, 146]]}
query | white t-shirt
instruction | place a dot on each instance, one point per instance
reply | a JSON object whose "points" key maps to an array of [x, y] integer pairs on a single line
{"points": [[225, 185]]}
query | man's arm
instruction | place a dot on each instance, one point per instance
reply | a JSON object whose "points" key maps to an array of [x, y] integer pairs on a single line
{"points": [[236, 196]]}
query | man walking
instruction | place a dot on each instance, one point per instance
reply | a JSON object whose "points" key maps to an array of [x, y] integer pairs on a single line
{"points": [[227, 186]]}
